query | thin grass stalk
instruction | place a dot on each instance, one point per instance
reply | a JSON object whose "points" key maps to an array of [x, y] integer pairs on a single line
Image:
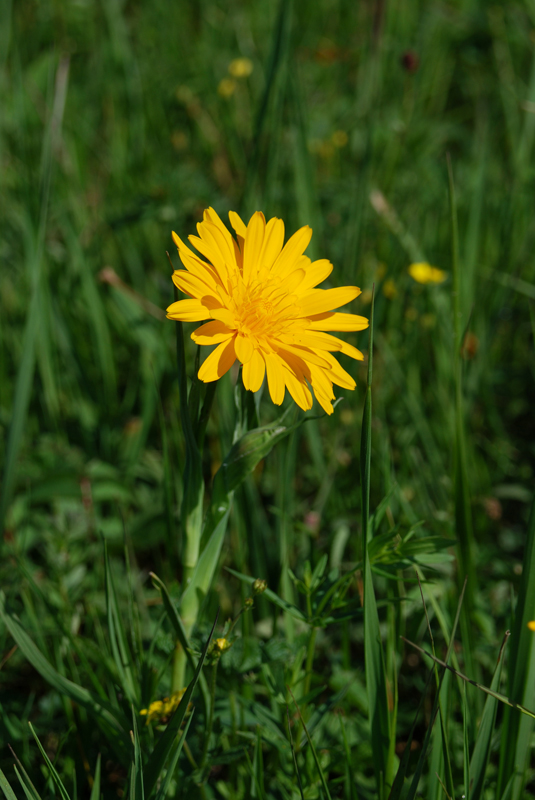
{"points": [[376, 683]]}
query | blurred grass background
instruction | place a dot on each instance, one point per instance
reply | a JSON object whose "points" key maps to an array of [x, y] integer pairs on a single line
{"points": [[122, 121]]}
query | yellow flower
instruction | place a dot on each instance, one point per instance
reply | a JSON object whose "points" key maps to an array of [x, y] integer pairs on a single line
{"points": [[425, 273], [264, 309], [161, 709], [531, 625], [226, 87], [240, 67]]}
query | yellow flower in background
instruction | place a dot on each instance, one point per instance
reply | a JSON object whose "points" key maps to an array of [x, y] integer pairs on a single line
{"points": [[531, 625], [425, 273], [240, 67], [226, 87], [161, 709], [390, 289], [264, 310]]}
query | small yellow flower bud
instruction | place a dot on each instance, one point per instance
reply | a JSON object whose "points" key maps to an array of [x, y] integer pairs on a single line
{"points": [[259, 586], [531, 625], [222, 644]]}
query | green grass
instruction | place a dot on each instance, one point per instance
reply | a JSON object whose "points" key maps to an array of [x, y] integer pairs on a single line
{"points": [[112, 134]]}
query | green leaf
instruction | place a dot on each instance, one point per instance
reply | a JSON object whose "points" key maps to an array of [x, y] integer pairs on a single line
{"points": [[481, 754], [112, 720], [164, 747], [9, 794], [173, 760], [120, 649], [55, 776], [95, 789], [516, 728], [137, 787]]}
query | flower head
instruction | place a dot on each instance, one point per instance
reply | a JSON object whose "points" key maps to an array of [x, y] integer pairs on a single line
{"points": [[264, 310], [425, 273]]}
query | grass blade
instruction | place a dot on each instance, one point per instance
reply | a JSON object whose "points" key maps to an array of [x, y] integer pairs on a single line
{"points": [[516, 729], [55, 775], [313, 749], [9, 794], [373, 649], [95, 789], [481, 754], [164, 747]]}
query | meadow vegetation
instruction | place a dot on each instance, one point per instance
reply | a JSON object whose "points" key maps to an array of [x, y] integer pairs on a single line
{"points": [[403, 134]]}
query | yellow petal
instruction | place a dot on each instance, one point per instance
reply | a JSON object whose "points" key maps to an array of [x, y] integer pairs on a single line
{"points": [[218, 362], [338, 375], [324, 341], [225, 316], [318, 301], [253, 372], [321, 383], [306, 353], [200, 268], [209, 249], [337, 321], [237, 223], [294, 247], [275, 376], [188, 311], [191, 284], [273, 241], [316, 273], [254, 240], [244, 348], [299, 390], [212, 332]]}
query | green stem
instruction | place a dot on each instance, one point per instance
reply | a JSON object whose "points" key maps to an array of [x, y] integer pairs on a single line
{"points": [[209, 726], [310, 660]]}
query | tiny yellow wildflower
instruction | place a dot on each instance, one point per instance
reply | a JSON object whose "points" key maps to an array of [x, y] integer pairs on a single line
{"points": [[425, 273], [259, 299], [160, 709], [240, 67], [222, 644], [531, 625], [226, 88]]}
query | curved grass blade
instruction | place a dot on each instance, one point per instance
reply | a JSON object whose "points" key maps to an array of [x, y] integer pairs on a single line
{"points": [[95, 789], [481, 753], [53, 771], [164, 788], [9, 794]]}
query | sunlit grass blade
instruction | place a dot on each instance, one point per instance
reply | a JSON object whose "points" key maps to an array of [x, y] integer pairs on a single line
{"points": [[163, 748], [516, 730], [9, 794], [482, 747]]}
